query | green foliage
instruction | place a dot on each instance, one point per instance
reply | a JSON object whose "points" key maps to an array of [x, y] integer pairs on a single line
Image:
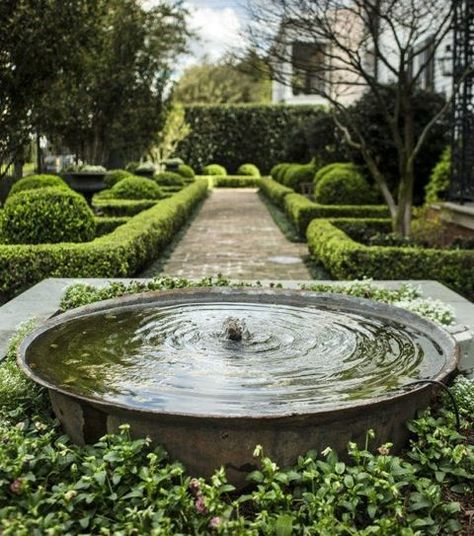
{"points": [[349, 166], [187, 172], [298, 174], [278, 171], [300, 210], [115, 175], [233, 181], [135, 188], [346, 258], [169, 178], [275, 191], [105, 225], [145, 168], [248, 169], [214, 169], [120, 208], [121, 253], [440, 178], [37, 181], [369, 116], [463, 391], [47, 215], [232, 134], [343, 187]]}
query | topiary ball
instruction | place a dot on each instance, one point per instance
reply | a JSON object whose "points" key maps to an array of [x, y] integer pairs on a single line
{"points": [[187, 172], [113, 176], [335, 165], [298, 174], [47, 215], [250, 170], [214, 169], [277, 172], [343, 187], [169, 178], [135, 188], [37, 181]]}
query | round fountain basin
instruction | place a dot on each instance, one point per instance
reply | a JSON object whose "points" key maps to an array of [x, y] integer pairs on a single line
{"points": [[211, 373]]}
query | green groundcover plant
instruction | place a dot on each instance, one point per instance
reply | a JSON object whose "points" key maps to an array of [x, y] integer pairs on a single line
{"points": [[121, 486]]}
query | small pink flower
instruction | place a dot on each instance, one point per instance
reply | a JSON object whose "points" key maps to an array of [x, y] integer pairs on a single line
{"points": [[214, 522], [200, 506], [194, 487], [15, 486]]}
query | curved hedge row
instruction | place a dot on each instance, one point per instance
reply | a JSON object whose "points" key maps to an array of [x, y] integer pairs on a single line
{"points": [[275, 191], [300, 210], [345, 258], [233, 181], [121, 253]]}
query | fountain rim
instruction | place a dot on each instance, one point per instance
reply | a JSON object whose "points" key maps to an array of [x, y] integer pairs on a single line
{"points": [[329, 300]]}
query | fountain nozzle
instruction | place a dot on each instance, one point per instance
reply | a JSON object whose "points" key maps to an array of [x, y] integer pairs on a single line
{"points": [[234, 329]]}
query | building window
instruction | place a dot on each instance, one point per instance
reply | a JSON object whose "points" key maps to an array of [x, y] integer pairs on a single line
{"points": [[308, 69]]}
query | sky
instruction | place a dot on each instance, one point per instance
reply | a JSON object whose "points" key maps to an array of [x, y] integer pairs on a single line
{"points": [[219, 24]]}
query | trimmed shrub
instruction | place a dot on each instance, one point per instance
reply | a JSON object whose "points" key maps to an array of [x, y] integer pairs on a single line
{"points": [[105, 225], [120, 207], [37, 181], [346, 258], [135, 188], [298, 174], [440, 178], [249, 169], [330, 167], [278, 170], [187, 172], [169, 178], [300, 210], [214, 169], [47, 215], [113, 176], [274, 191], [343, 187], [234, 181], [121, 253]]}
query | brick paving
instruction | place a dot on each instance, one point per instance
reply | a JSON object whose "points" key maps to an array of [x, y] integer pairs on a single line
{"points": [[234, 234]]}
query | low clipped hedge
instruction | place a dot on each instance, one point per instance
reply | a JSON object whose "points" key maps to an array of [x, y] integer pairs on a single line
{"points": [[346, 258], [106, 224], [121, 207], [33, 182], [275, 191], [298, 174], [233, 181], [300, 210], [169, 178], [46, 216], [121, 253]]}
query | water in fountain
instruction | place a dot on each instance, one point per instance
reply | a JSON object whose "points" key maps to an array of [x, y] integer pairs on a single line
{"points": [[233, 358]]}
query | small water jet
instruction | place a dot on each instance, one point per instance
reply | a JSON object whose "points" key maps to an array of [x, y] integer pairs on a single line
{"points": [[210, 373]]}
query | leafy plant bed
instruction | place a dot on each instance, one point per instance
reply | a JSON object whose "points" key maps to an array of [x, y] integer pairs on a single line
{"points": [[120, 253], [233, 181], [337, 243], [125, 486]]}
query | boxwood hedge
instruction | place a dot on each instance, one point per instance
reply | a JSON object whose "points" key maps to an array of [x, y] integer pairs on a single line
{"points": [[233, 181], [275, 191], [121, 207], [345, 258], [300, 210], [118, 254], [104, 225]]}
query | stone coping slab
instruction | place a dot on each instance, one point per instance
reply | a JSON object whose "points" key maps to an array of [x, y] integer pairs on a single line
{"points": [[42, 300]]}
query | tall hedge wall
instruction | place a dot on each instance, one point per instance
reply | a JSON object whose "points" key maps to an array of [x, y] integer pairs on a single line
{"points": [[232, 135]]}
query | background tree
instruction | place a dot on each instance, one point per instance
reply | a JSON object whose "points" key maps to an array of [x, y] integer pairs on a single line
{"points": [[227, 81], [112, 111], [35, 52], [357, 39]]}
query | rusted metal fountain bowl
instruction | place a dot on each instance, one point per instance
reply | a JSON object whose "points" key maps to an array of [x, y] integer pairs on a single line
{"points": [[204, 442]]}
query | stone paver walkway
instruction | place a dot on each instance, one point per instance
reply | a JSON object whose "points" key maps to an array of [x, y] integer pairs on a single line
{"points": [[234, 235]]}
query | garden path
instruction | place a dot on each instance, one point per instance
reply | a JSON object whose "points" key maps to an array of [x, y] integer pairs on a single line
{"points": [[234, 234]]}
